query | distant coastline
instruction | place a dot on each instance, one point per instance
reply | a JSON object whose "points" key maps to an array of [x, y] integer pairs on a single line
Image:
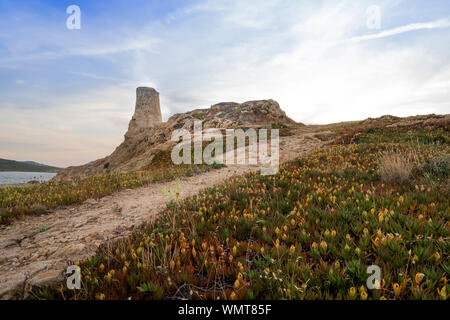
{"points": [[26, 166]]}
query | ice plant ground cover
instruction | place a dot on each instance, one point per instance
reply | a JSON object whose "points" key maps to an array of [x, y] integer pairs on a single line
{"points": [[309, 232]]}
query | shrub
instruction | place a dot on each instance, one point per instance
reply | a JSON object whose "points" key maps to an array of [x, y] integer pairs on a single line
{"points": [[397, 167], [437, 166], [279, 125]]}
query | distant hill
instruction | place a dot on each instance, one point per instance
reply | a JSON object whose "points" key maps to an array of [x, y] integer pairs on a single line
{"points": [[34, 163], [25, 166]]}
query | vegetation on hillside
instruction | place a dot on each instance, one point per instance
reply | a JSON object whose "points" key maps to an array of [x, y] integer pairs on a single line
{"points": [[21, 166], [309, 232]]}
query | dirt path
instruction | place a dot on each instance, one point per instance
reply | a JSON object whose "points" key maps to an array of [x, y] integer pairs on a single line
{"points": [[36, 250]]}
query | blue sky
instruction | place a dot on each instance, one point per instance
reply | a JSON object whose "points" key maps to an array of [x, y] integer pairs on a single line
{"points": [[67, 95]]}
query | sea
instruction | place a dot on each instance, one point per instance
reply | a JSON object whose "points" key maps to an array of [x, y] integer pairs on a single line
{"points": [[24, 177]]}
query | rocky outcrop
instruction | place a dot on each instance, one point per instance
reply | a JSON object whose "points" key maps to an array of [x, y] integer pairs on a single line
{"points": [[424, 120], [231, 114], [147, 135]]}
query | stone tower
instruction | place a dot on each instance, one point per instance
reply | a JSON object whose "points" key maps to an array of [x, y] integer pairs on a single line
{"points": [[147, 113]]}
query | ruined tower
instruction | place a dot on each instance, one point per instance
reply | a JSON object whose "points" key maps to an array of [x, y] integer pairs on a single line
{"points": [[147, 113]]}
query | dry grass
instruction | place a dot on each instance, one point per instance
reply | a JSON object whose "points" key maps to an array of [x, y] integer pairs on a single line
{"points": [[397, 166]]}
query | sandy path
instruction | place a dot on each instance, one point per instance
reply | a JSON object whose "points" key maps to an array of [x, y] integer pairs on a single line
{"points": [[36, 250]]}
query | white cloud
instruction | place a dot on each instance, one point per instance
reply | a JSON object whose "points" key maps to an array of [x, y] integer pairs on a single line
{"points": [[91, 49], [439, 24]]}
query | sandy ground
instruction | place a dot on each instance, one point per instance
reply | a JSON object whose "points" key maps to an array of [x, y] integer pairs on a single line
{"points": [[37, 249]]}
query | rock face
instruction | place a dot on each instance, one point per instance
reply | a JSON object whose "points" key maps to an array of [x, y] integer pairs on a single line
{"points": [[147, 134]]}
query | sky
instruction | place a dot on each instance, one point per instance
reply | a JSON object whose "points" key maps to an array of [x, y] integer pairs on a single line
{"points": [[66, 95]]}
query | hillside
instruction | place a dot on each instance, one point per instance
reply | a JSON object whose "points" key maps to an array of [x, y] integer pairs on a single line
{"points": [[376, 194], [25, 166], [347, 196]]}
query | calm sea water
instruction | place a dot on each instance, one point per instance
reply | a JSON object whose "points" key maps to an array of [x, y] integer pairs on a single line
{"points": [[24, 177]]}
